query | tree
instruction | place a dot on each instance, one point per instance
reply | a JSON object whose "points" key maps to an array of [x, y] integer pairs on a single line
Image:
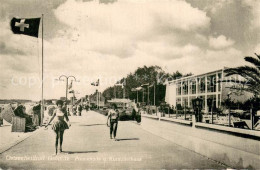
{"points": [[251, 75], [153, 75]]}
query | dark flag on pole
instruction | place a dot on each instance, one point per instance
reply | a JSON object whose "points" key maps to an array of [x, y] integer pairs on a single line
{"points": [[95, 83], [26, 26], [71, 91]]}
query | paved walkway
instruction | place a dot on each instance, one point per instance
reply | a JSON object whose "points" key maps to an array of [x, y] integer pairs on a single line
{"points": [[87, 145], [9, 139]]}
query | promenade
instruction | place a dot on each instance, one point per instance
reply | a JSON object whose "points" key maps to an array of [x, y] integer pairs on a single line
{"points": [[87, 145]]}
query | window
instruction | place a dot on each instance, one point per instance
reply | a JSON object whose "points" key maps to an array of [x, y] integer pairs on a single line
{"points": [[178, 88], [219, 84], [211, 83], [213, 97], [201, 84], [192, 88], [185, 87]]}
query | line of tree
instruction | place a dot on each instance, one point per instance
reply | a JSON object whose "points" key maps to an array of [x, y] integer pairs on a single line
{"points": [[153, 75]]}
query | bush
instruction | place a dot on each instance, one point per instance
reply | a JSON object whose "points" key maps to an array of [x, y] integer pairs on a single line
{"points": [[138, 118]]}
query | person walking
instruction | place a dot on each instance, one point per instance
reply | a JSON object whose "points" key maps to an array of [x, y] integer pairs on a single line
{"points": [[79, 110], [74, 110], [59, 125], [113, 116]]}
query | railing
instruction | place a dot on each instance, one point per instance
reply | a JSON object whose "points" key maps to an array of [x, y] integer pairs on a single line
{"points": [[235, 128], [235, 120]]}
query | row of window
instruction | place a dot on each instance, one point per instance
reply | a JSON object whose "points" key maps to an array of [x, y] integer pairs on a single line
{"points": [[185, 101], [183, 88]]}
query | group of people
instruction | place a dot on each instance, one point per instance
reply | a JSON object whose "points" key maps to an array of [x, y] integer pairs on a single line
{"points": [[60, 125], [77, 109]]}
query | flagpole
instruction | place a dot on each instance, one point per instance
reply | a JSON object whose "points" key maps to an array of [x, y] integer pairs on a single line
{"points": [[97, 98], [148, 97], [154, 94], [42, 103], [123, 86], [123, 92], [115, 92]]}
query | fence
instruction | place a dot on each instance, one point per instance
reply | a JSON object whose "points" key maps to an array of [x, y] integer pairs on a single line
{"points": [[230, 118]]}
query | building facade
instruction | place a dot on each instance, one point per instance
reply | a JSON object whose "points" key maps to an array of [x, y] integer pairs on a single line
{"points": [[208, 85]]}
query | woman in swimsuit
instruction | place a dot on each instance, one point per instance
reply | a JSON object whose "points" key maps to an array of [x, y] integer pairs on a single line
{"points": [[59, 125]]}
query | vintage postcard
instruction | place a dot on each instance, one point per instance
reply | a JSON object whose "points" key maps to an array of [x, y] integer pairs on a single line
{"points": [[129, 84]]}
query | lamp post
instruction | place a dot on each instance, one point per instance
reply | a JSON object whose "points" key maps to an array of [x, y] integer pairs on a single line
{"points": [[137, 96], [185, 109], [154, 94], [67, 78], [144, 85], [143, 95], [229, 103], [97, 98], [210, 106], [197, 107], [148, 97]]}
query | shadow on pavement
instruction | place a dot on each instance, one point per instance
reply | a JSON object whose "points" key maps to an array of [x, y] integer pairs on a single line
{"points": [[75, 152], [127, 139], [5, 125], [74, 122], [93, 125]]}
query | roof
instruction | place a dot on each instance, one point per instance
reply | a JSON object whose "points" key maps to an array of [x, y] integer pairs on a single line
{"points": [[193, 76]]}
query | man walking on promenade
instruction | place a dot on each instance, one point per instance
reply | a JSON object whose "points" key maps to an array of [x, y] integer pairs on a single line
{"points": [[113, 117]]}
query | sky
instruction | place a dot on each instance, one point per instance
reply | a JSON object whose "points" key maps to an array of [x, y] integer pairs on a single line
{"points": [[108, 39]]}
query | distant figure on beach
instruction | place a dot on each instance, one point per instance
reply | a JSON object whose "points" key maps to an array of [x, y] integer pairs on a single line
{"points": [[59, 125], [113, 116]]}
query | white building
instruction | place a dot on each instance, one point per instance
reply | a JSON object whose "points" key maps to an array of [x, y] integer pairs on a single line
{"points": [[207, 85]]}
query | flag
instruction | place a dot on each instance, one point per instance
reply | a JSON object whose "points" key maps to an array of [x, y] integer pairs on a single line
{"points": [[26, 26], [120, 83], [95, 83], [133, 89], [70, 86], [151, 85], [139, 88], [147, 84]]}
